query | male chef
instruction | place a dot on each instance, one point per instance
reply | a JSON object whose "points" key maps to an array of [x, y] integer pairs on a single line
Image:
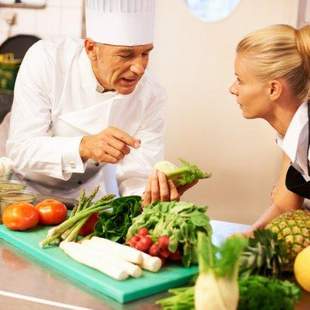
{"points": [[87, 112]]}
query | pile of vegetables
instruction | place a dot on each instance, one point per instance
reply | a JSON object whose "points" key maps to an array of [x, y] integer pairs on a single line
{"points": [[172, 227], [187, 173], [218, 286], [70, 228]]}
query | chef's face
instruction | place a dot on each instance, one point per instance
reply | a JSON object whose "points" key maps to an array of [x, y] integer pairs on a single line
{"points": [[250, 92], [118, 68]]}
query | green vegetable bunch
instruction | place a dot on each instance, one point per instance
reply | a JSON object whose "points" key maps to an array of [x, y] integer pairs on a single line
{"points": [[187, 173], [216, 286], [70, 228], [113, 224], [258, 292], [255, 293], [180, 221]]}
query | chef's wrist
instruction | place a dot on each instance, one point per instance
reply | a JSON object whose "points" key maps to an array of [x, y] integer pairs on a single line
{"points": [[84, 152]]}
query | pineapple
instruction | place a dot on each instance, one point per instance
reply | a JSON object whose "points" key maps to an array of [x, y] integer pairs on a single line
{"points": [[294, 228], [265, 255]]}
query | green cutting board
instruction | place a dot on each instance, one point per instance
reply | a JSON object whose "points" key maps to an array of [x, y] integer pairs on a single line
{"points": [[121, 291]]}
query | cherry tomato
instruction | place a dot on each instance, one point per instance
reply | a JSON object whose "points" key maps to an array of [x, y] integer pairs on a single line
{"points": [[20, 216], [89, 226], [51, 211]]}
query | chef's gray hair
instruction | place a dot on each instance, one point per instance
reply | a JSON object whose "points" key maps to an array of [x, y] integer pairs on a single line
{"points": [[280, 51]]}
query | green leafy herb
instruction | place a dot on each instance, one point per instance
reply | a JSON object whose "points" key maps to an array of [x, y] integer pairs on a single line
{"points": [[180, 221], [187, 173], [182, 299], [258, 292], [114, 224]]}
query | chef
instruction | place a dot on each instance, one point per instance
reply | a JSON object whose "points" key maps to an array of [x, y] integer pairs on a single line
{"points": [[87, 112]]}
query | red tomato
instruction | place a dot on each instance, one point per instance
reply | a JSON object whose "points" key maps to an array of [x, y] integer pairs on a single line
{"points": [[20, 216], [90, 224], [51, 211]]}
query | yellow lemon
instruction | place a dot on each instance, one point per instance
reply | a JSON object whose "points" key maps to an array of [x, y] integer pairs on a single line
{"points": [[302, 268]]}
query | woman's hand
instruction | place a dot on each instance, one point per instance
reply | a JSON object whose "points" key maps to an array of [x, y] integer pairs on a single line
{"points": [[160, 188]]}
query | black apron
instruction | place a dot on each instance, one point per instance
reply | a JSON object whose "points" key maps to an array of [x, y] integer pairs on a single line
{"points": [[294, 180]]}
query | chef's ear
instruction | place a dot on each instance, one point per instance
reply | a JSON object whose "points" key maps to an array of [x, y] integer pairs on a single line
{"points": [[275, 89], [90, 48]]}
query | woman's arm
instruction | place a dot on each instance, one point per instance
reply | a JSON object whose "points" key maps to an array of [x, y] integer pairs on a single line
{"points": [[283, 200]]}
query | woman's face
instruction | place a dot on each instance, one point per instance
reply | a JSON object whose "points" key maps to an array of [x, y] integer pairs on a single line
{"points": [[251, 93]]}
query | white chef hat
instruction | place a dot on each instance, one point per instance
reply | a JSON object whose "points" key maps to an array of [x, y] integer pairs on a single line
{"points": [[120, 22]]}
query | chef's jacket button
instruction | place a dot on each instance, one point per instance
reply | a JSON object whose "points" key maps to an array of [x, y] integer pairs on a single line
{"points": [[96, 164], [80, 182]]}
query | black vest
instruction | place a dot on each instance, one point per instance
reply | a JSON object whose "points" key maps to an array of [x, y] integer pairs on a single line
{"points": [[294, 180]]}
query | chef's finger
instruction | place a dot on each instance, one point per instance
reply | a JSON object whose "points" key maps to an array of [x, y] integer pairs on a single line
{"points": [[164, 191], [119, 145], [154, 187], [125, 137], [174, 194], [106, 158], [118, 155]]}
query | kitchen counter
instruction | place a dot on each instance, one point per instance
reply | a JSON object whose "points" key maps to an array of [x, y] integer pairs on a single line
{"points": [[26, 284]]}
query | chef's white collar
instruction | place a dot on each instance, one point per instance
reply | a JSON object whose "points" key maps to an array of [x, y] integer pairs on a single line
{"points": [[289, 144]]}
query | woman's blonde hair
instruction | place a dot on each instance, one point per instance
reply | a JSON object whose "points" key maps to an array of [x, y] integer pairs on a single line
{"points": [[280, 51]]}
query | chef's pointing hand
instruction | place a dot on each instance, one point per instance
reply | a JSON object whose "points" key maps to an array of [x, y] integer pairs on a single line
{"points": [[108, 146]]}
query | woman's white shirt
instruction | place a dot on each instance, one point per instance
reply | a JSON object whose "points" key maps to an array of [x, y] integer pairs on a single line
{"points": [[295, 142]]}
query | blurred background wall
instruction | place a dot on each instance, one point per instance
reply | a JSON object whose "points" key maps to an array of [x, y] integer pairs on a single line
{"points": [[194, 61]]}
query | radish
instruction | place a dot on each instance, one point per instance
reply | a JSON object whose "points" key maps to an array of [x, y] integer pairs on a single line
{"points": [[144, 243], [164, 253], [163, 242], [154, 249], [176, 256], [143, 231]]}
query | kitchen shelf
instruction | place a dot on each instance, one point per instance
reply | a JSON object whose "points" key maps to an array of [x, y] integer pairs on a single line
{"points": [[22, 6]]}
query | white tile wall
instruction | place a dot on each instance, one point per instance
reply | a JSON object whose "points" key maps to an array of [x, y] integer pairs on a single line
{"points": [[59, 17]]}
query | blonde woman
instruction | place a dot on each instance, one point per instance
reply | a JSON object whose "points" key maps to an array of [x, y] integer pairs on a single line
{"points": [[272, 69]]}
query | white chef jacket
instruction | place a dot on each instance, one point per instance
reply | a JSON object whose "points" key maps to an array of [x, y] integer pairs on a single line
{"points": [[295, 142], [56, 104]]}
